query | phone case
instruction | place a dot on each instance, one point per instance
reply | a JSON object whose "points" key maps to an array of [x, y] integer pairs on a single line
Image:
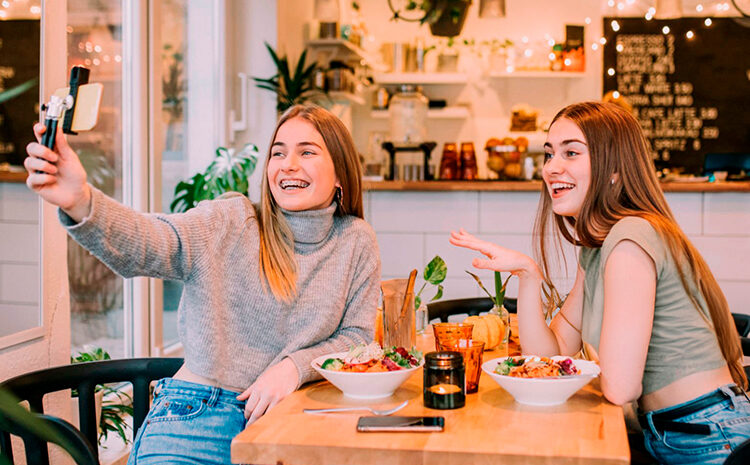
{"points": [[397, 423]]}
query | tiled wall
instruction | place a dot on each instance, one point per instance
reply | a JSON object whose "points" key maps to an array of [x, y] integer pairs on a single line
{"points": [[19, 258], [412, 227]]}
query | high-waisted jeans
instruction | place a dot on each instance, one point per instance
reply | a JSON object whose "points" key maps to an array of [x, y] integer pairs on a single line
{"points": [[188, 423], [729, 422]]}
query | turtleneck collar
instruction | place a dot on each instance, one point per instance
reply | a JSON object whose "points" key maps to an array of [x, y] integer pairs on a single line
{"points": [[310, 226]]}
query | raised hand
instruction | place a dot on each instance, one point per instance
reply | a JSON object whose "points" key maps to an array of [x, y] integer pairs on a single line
{"points": [[58, 176], [277, 382], [498, 258]]}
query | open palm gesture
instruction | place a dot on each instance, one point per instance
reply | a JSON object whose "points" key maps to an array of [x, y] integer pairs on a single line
{"points": [[498, 258]]}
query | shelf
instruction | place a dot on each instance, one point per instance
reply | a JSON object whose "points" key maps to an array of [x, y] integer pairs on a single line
{"points": [[340, 49], [438, 113], [421, 78], [339, 96], [537, 74]]}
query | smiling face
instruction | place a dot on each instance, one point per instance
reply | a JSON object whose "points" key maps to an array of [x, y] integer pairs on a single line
{"points": [[300, 169], [567, 167]]}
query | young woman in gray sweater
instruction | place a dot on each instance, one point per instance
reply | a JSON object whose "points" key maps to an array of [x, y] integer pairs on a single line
{"points": [[267, 288]]}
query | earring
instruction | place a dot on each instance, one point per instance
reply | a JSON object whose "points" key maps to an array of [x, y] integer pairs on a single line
{"points": [[340, 195], [612, 181]]}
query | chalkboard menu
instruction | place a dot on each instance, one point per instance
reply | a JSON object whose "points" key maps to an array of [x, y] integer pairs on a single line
{"points": [[19, 66], [688, 81]]}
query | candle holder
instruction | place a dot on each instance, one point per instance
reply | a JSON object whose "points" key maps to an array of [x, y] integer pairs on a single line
{"points": [[444, 380]]}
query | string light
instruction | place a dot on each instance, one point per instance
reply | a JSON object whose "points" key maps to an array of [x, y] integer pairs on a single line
{"points": [[594, 46], [616, 94], [602, 41], [551, 42], [619, 47], [707, 22], [6, 3], [35, 10], [665, 30], [689, 34], [3, 13], [649, 17], [567, 62], [527, 53], [699, 8], [611, 3], [620, 6], [525, 39], [587, 20], [615, 25], [611, 71], [551, 56]]}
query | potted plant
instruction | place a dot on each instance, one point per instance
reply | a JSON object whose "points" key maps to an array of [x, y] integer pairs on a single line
{"points": [[498, 311], [434, 273], [229, 172], [445, 17], [291, 88], [112, 412]]}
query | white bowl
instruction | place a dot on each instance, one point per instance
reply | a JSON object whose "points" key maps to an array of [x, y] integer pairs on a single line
{"points": [[363, 385], [541, 391]]}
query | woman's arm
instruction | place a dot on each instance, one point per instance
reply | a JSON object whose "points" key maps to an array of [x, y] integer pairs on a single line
{"points": [[629, 299], [536, 336], [566, 325]]}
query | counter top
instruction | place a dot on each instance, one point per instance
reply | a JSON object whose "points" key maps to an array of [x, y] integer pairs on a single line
{"points": [[13, 176], [535, 186]]}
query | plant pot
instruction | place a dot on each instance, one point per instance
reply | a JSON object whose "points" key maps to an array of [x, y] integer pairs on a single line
{"points": [[75, 419], [451, 19]]}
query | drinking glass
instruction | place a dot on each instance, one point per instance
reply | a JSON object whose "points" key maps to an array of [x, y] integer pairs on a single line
{"points": [[448, 336], [472, 352]]}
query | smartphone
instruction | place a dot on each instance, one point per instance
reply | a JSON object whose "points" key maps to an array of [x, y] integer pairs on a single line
{"points": [[396, 423]]}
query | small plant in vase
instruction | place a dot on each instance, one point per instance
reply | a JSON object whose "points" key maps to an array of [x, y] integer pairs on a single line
{"points": [[493, 328], [434, 273]]}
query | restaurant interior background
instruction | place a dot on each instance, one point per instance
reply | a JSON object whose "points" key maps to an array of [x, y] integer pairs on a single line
{"points": [[178, 83]]}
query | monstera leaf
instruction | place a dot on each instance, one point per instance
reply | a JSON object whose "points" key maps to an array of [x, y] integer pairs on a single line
{"points": [[229, 172]]}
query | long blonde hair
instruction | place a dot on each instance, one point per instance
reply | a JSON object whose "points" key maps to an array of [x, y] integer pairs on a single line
{"points": [[277, 264], [618, 150]]}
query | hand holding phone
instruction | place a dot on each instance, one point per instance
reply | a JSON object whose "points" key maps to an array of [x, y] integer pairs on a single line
{"points": [[396, 423]]}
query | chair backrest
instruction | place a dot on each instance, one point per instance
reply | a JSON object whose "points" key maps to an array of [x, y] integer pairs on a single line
{"points": [[742, 322], [46, 428], [472, 306], [84, 377]]}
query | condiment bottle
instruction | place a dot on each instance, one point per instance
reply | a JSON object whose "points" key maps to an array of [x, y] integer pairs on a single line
{"points": [[408, 113], [449, 164], [444, 380], [468, 161]]}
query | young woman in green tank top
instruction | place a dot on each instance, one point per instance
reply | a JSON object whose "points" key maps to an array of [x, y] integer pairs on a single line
{"points": [[644, 302]]}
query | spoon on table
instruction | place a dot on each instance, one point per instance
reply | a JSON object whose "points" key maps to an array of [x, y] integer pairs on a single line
{"points": [[378, 412]]}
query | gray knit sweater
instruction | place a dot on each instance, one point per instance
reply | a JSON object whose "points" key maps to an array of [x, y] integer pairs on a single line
{"points": [[232, 329]]}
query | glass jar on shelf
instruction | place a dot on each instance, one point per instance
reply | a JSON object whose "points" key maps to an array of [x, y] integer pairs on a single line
{"points": [[408, 116]]}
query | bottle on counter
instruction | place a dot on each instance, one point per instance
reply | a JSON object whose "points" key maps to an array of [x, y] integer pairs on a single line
{"points": [[449, 163], [408, 113], [468, 161]]}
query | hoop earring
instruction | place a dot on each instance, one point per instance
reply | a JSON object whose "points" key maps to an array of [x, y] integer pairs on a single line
{"points": [[339, 197]]}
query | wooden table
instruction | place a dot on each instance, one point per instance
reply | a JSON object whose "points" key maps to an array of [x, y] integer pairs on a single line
{"points": [[491, 429]]}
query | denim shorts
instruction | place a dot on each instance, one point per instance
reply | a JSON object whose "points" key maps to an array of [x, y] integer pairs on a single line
{"points": [[188, 423], [729, 420]]}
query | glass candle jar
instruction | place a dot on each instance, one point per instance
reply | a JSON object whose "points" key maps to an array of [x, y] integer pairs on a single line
{"points": [[444, 380]]}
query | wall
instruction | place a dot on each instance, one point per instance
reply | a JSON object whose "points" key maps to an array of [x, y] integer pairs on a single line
{"points": [[412, 227]]}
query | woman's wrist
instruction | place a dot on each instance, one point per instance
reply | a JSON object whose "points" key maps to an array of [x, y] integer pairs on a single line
{"points": [[530, 272], [82, 207]]}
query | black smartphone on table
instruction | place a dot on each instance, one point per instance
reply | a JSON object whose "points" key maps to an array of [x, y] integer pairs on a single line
{"points": [[397, 423]]}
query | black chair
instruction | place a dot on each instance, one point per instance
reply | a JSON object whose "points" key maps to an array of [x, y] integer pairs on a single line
{"points": [[46, 428], [472, 306], [84, 377], [742, 322], [739, 456]]}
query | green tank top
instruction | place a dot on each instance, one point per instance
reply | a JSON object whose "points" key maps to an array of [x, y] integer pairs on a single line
{"points": [[682, 340]]}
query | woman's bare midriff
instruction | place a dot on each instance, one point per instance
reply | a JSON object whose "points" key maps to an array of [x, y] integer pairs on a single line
{"points": [[686, 389], [185, 374]]}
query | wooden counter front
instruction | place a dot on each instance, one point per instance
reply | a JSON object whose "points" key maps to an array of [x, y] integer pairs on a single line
{"points": [[492, 428], [535, 186], [13, 176]]}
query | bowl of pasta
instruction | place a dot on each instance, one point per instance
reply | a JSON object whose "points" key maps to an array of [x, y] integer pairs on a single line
{"points": [[541, 381], [368, 371]]}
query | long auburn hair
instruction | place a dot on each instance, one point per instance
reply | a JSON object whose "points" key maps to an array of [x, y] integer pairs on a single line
{"points": [[277, 264], [618, 150]]}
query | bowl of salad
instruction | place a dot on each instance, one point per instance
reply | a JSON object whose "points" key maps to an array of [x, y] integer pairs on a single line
{"points": [[541, 381], [369, 371]]}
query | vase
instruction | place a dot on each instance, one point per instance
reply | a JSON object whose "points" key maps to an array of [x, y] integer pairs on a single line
{"points": [[421, 318], [505, 337]]}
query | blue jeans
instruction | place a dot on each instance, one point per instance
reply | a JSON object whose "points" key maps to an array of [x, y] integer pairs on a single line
{"points": [[728, 419], [188, 423]]}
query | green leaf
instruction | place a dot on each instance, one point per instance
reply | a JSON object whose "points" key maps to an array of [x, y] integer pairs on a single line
{"points": [[479, 281], [417, 302], [14, 92], [435, 271], [439, 292]]}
